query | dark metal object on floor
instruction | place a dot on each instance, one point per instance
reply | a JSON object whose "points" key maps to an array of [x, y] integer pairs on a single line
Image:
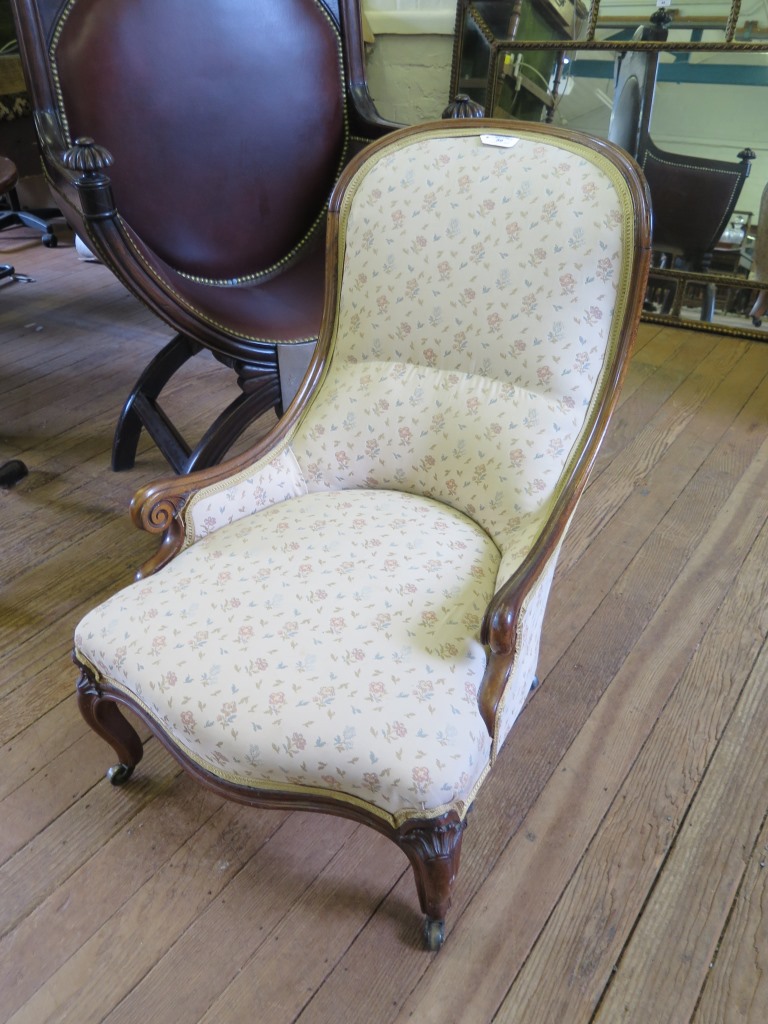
{"points": [[11, 472]]}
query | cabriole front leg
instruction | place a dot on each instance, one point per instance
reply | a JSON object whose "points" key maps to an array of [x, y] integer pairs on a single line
{"points": [[104, 717], [434, 849]]}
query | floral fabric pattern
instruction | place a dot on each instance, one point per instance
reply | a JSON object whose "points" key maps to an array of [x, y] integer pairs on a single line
{"points": [[277, 480], [465, 440], [339, 656], [320, 630]]}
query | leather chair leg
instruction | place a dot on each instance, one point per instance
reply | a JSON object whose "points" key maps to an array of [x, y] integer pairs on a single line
{"points": [[260, 384], [230, 424]]}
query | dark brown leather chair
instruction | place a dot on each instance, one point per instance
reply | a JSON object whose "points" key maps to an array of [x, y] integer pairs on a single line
{"points": [[692, 198], [218, 133]]}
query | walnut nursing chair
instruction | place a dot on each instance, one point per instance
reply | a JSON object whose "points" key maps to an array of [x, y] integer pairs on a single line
{"points": [[347, 618], [193, 147]]}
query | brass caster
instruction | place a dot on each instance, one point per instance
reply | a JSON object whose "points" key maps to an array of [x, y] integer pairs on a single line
{"points": [[119, 773], [434, 934]]}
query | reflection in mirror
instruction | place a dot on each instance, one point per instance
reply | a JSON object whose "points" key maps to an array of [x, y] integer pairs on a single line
{"points": [[697, 122], [706, 107], [702, 21], [695, 20]]}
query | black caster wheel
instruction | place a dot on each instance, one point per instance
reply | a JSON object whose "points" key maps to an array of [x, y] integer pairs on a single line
{"points": [[119, 774], [50, 241], [434, 934]]}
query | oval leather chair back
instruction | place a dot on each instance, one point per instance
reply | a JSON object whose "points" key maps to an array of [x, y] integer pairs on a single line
{"points": [[226, 120]]}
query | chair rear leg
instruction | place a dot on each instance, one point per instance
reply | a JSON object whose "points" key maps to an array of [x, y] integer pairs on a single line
{"points": [[140, 409], [434, 850], [104, 717], [231, 423]]}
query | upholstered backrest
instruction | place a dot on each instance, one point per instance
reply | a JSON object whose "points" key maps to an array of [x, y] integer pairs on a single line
{"points": [[483, 311], [483, 287], [226, 120]]}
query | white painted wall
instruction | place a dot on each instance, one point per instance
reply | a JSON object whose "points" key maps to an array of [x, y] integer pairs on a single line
{"points": [[410, 17], [409, 62]]}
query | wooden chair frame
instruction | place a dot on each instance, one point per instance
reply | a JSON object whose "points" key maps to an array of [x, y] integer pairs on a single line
{"points": [[432, 845]]}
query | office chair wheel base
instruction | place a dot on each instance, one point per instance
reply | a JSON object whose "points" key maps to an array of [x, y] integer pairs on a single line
{"points": [[50, 241], [757, 321], [119, 774], [434, 934]]}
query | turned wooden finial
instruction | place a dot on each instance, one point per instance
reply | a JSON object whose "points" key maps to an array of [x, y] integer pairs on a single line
{"points": [[89, 162], [86, 157], [463, 106]]}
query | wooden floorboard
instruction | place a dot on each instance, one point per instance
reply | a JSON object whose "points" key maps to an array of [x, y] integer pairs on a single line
{"points": [[614, 868]]}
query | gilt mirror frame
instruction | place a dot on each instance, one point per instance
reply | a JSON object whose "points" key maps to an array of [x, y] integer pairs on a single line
{"points": [[735, 40]]}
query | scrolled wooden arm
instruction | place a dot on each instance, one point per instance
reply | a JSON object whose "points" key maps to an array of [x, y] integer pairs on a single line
{"points": [[159, 506], [499, 633], [500, 627]]}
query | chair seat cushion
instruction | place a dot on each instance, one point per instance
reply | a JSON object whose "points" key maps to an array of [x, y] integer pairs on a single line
{"points": [[342, 659]]}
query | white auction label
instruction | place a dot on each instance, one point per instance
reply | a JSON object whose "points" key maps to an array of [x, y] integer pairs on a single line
{"points": [[505, 141]]}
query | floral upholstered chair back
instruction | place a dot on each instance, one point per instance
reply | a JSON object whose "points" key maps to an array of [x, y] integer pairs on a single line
{"points": [[481, 293]]}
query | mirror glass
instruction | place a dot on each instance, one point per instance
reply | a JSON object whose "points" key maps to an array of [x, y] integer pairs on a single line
{"points": [[709, 104], [694, 20]]}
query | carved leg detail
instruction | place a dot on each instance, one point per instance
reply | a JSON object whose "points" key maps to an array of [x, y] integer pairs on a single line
{"points": [[434, 850], [104, 717]]}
